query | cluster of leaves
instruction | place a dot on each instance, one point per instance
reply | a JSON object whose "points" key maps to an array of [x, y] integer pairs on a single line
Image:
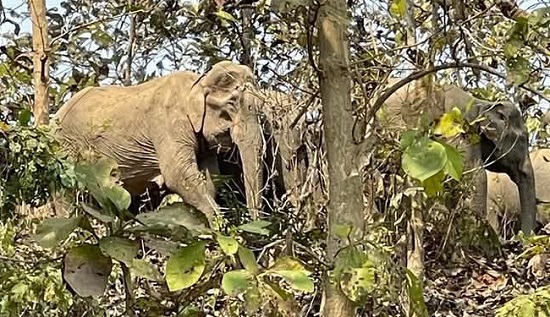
{"points": [[28, 284], [32, 166], [431, 161], [87, 266], [535, 304]]}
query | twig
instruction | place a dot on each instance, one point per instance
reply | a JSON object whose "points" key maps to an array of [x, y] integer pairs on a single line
{"points": [[419, 74]]}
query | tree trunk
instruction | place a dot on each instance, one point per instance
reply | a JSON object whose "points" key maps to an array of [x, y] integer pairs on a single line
{"points": [[345, 189], [41, 48]]}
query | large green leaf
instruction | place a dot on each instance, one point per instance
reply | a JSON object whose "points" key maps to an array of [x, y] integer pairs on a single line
{"points": [[119, 248], [86, 270], [185, 266], [359, 282], [98, 179], [424, 158], [172, 216], [257, 226], [54, 230], [455, 164], [236, 282]]}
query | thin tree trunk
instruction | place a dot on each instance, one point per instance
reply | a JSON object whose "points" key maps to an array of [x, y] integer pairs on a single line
{"points": [[130, 56], [345, 189], [248, 34], [41, 48], [415, 225]]}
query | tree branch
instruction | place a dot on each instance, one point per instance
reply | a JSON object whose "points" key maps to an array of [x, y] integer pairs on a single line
{"points": [[419, 74]]}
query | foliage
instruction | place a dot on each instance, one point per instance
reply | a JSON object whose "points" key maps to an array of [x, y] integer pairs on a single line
{"points": [[32, 167], [535, 304]]}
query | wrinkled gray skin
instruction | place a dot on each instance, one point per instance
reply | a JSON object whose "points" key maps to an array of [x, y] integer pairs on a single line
{"points": [[285, 158], [504, 138], [172, 127], [503, 199]]}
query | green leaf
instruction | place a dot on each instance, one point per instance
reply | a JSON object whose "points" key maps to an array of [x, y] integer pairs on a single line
{"points": [[87, 270], [252, 299], [228, 244], [145, 269], [398, 8], [119, 248], [54, 230], [434, 184], [455, 164], [225, 16], [98, 179], [257, 226], [298, 280], [185, 266], [172, 216], [424, 158], [24, 117], [348, 257], [98, 214], [415, 291], [450, 124], [236, 282], [407, 138], [248, 260], [518, 70]]}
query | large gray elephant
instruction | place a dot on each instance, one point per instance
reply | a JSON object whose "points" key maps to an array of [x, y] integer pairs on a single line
{"points": [[503, 200], [503, 145], [172, 127]]}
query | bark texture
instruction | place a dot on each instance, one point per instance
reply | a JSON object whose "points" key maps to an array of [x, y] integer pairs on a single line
{"points": [[41, 48], [345, 188]]}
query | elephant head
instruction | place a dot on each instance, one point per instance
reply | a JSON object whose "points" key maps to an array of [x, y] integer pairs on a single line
{"points": [[225, 111], [505, 149]]}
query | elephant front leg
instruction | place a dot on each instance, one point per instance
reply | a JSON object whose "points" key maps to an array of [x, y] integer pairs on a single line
{"points": [[182, 175]]}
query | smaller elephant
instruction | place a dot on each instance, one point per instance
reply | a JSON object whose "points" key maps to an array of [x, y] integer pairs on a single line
{"points": [[172, 126], [503, 197], [503, 144]]}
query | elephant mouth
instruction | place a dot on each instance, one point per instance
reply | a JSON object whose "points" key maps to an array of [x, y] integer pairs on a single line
{"points": [[220, 143]]}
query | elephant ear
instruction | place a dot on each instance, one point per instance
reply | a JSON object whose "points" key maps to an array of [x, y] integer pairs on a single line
{"points": [[219, 90]]}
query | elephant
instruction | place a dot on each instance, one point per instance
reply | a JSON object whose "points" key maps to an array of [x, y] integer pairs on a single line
{"points": [[171, 128], [503, 143], [503, 197]]}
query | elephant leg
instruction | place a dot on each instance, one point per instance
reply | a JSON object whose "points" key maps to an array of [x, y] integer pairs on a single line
{"points": [[181, 173]]}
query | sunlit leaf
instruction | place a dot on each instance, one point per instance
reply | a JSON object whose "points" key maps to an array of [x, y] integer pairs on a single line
{"points": [[237, 281], [185, 267], [398, 8], [450, 124], [455, 163], [228, 244], [424, 158]]}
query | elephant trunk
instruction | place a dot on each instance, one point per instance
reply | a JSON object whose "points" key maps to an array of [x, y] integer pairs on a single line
{"points": [[525, 181], [247, 135]]}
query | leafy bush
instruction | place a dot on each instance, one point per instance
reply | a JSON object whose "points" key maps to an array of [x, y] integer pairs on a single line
{"points": [[32, 166]]}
